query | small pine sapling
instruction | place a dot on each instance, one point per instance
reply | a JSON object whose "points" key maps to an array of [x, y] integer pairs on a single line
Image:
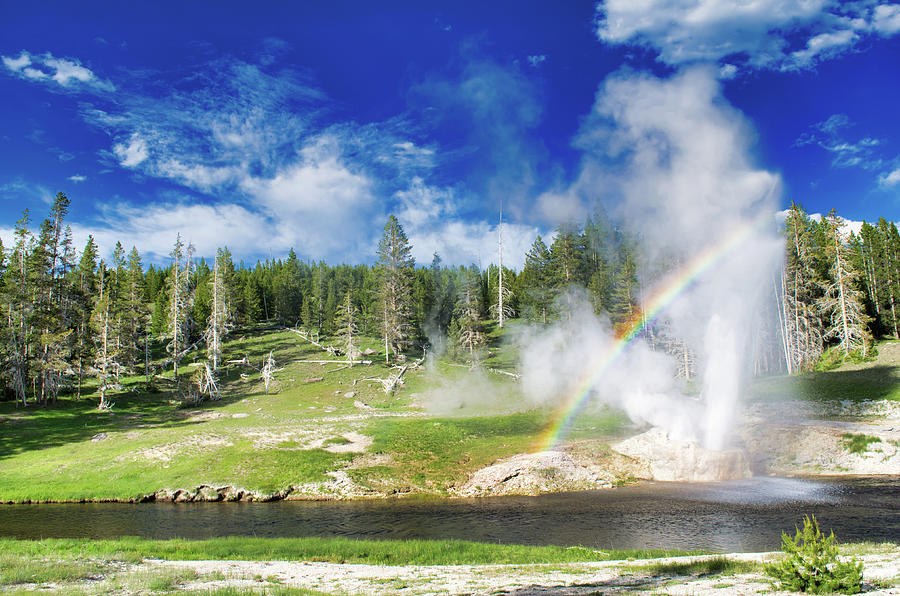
{"points": [[811, 563]]}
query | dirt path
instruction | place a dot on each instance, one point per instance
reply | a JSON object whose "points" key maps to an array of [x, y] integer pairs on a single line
{"points": [[613, 577]]}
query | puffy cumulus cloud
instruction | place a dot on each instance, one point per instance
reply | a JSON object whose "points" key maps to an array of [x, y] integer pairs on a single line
{"points": [[761, 34], [433, 223], [887, 19], [421, 204], [320, 202], [249, 140], [67, 72], [691, 30], [728, 71], [461, 242], [153, 228], [850, 225]]}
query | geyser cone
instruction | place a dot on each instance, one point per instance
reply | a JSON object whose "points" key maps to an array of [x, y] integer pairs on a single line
{"points": [[672, 459]]}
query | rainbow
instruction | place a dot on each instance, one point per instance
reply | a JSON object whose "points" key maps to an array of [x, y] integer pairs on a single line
{"points": [[662, 295]]}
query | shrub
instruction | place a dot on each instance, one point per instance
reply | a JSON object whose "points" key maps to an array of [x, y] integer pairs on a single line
{"points": [[811, 563], [857, 443]]}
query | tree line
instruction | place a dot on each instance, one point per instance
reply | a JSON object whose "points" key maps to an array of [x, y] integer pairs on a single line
{"points": [[838, 289], [71, 315]]}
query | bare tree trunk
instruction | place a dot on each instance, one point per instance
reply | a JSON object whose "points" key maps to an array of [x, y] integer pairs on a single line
{"points": [[500, 267], [845, 340]]}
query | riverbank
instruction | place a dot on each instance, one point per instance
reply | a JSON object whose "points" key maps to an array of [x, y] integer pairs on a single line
{"points": [[305, 566]]}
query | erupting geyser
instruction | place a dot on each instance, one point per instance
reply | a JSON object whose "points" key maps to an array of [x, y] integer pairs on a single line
{"points": [[674, 158]]}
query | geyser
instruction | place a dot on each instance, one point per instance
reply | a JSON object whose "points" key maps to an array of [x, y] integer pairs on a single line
{"points": [[674, 158]]}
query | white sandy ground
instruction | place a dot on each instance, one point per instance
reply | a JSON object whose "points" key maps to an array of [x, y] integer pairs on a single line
{"points": [[612, 577]]}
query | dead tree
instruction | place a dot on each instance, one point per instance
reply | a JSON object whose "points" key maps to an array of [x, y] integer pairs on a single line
{"points": [[267, 373]]}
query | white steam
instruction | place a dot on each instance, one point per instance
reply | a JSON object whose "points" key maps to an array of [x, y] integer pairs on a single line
{"points": [[582, 353], [673, 159]]}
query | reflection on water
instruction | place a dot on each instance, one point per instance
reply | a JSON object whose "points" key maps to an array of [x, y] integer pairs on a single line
{"points": [[732, 516]]}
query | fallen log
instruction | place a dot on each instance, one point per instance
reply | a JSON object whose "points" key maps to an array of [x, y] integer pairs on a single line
{"points": [[333, 361]]}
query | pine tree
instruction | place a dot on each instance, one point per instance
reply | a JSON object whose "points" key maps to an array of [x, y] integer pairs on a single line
{"points": [[538, 279], [800, 289], [842, 301], [84, 291], [884, 262], [131, 313], [19, 306], [471, 326], [624, 303], [567, 265], [395, 263]]}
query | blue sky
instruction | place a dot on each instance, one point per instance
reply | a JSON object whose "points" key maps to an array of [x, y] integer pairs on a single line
{"points": [[268, 126]]}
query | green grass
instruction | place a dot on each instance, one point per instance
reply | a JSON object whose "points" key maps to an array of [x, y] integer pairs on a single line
{"points": [[871, 383], [26, 568], [874, 378], [714, 566], [334, 550], [150, 443], [858, 443], [435, 453]]}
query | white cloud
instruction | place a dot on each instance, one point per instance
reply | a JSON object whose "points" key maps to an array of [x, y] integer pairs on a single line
{"points": [[132, 153], [77, 178], [728, 71], [17, 64], [830, 136], [153, 228], [890, 178], [319, 202], [67, 72], [241, 138], [194, 175], [850, 225], [33, 73], [760, 33], [408, 154], [823, 45], [471, 242], [663, 151], [421, 204], [887, 19], [537, 60]]}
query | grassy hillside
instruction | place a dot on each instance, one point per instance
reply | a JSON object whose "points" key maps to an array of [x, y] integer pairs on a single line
{"points": [[874, 379], [317, 419]]}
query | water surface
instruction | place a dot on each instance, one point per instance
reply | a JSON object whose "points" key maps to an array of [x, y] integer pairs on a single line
{"points": [[728, 517]]}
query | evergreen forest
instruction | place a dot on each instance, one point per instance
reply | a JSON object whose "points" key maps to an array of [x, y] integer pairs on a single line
{"points": [[72, 315]]}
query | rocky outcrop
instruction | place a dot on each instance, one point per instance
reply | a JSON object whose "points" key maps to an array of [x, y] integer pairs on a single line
{"points": [[532, 473], [671, 459]]}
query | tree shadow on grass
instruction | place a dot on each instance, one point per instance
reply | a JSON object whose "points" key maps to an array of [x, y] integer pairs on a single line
{"points": [[73, 421], [873, 383]]}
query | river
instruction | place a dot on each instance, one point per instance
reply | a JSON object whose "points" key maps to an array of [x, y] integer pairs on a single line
{"points": [[738, 516]]}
